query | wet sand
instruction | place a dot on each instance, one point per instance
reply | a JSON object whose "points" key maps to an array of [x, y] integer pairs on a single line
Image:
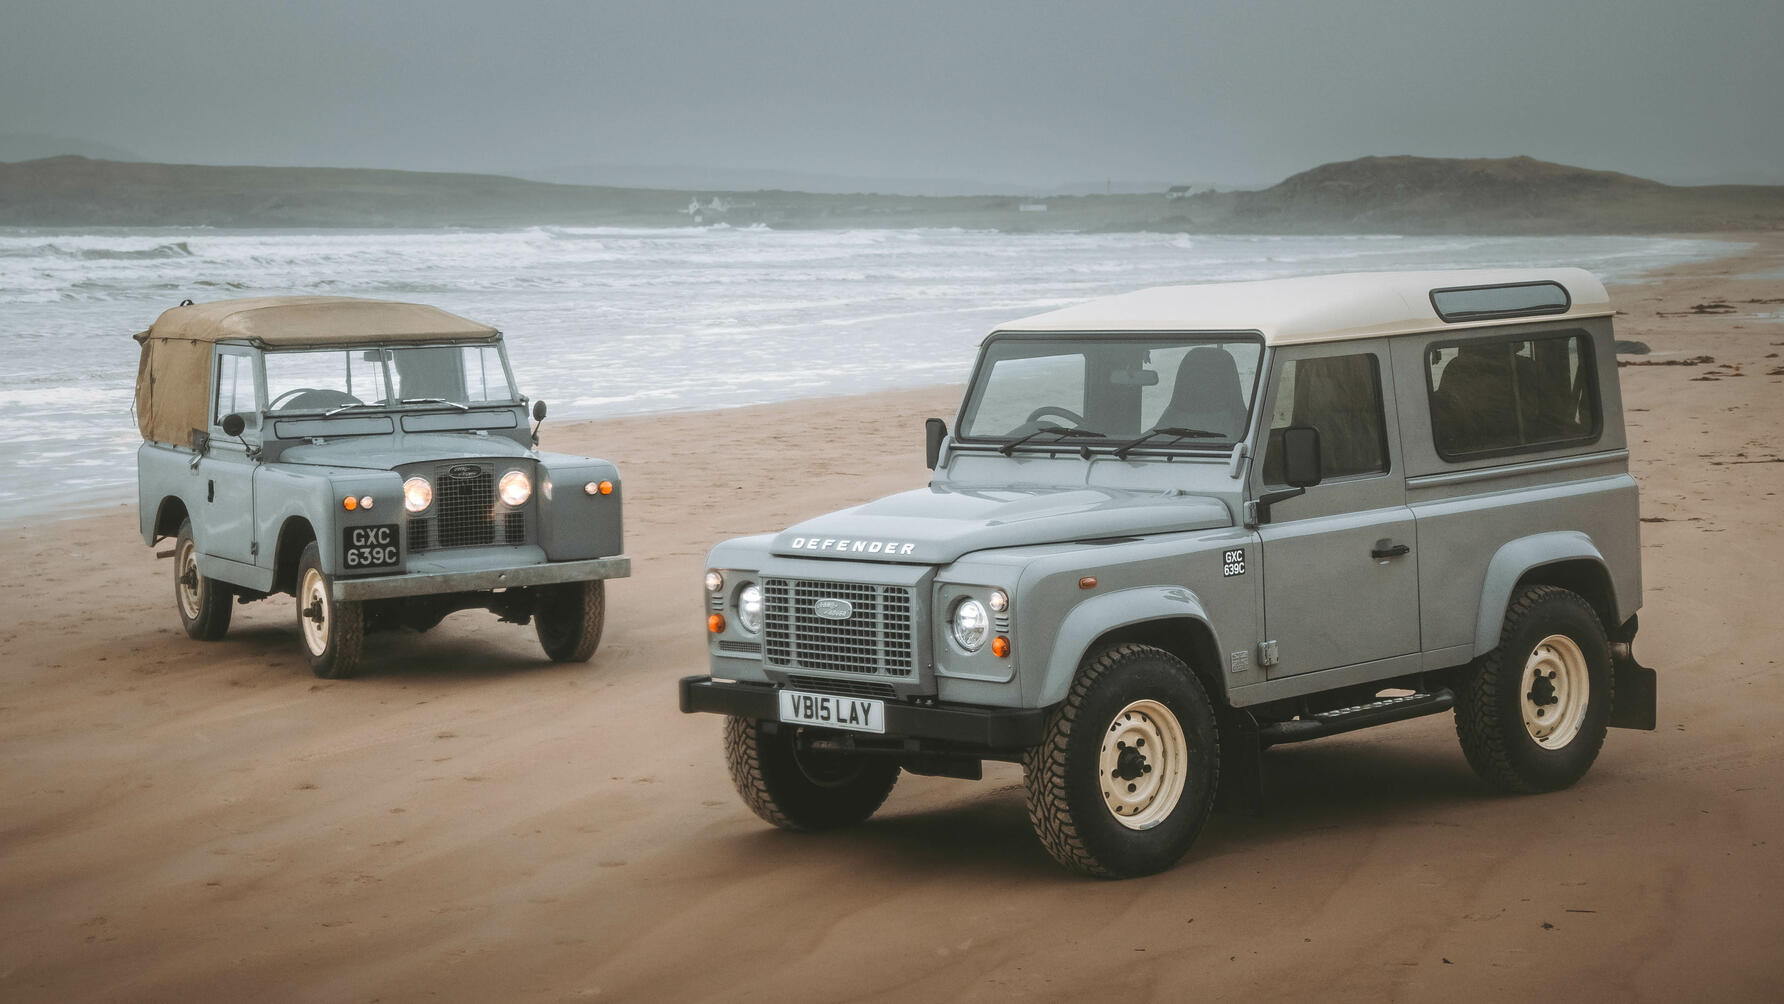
{"points": [[467, 821]]}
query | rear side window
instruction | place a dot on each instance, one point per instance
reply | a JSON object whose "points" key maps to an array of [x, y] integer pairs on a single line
{"points": [[1512, 395], [1341, 397], [1479, 303]]}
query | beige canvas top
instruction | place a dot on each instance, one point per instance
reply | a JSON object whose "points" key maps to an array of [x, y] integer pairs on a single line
{"points": [[285, 321], [1315, 308], [173, 375]]}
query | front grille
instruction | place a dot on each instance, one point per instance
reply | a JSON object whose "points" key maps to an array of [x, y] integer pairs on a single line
{"points": [[843, 688], [875, 637], [465, 512]]}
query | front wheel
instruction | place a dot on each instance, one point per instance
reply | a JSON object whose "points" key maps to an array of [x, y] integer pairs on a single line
{"points": [[1532, 714], [802, 789], [333, 630], [1124, 780], [204, 603], [568, 619]]}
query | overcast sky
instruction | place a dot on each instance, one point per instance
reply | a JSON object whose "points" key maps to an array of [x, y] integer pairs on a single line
{"points": [[1015, 93]]}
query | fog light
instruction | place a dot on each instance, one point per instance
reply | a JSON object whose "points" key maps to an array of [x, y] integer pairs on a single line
{"points": [[715, 623]]}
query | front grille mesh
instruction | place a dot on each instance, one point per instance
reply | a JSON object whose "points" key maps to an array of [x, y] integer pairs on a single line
{"points": [[465, 512], [876, 638], [843, 688]]}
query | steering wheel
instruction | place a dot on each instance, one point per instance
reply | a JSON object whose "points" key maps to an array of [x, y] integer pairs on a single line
{"points": [[312, 397], [1051, 409]]}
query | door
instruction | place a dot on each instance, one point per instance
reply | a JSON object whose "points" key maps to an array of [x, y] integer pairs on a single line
{"points": [[224, 522], [1340, 566]]}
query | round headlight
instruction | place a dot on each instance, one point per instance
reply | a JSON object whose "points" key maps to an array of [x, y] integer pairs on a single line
{"points": [[971, 624], [417, 494], [749, 608], [715, 581], [516, 488]]}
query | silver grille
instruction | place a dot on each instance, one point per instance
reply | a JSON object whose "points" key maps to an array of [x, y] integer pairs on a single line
{"points": [[875, 637]]}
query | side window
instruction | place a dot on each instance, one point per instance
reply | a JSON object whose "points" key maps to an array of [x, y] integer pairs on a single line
{"points": [[1341, 397], [1512, 395], [235, 388]]}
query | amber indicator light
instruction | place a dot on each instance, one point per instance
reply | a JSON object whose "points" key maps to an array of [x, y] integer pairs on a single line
{"points": [[607, 488], [349, 503], [1000, 647], [1087, 582], [715, 623]]}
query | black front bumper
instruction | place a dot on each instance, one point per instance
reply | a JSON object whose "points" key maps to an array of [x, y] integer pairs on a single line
{"points": [[964, 725]]}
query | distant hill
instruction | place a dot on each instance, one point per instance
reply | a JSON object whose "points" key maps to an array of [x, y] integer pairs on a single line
{"points": [[1421, 195], [1503, 195], [37, 146]]}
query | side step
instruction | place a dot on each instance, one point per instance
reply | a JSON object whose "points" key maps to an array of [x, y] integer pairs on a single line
{"points": [[1361, 716]]}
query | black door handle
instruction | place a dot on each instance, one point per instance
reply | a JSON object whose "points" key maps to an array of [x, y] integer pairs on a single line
{"points": [[1385, 549]]}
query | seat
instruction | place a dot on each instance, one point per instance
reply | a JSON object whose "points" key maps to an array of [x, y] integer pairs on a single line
{"points": [[1207, 395]]}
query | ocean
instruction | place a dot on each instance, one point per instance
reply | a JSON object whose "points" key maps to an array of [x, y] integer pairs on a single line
{"points": [[606, 321]]}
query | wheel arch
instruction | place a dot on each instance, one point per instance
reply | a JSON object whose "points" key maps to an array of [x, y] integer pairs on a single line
{"points": [[169, 514], [294, 534], [1170, 618], [1565, 558]]}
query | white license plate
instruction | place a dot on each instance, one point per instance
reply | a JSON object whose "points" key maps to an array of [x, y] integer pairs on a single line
{"points": [[858, 714]]}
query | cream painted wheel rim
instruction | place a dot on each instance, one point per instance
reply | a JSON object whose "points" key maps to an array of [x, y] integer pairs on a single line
{"points": [[314, 612], [1142, 764], [185, 577], [1555, 691]]}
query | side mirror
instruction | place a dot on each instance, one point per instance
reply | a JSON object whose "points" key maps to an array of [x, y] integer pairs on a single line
{"points": [[934, 431], [233, 424], [538, 411], [1301, 456]]}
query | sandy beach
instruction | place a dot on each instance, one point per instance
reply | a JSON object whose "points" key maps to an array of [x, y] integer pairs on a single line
{"points": [[192, 821]]}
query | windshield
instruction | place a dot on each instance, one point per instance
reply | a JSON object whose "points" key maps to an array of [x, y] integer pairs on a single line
{"points": [[326, 379], [1194, 392]]}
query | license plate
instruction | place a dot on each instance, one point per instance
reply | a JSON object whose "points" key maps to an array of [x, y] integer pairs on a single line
{"points": [[369, 547], [858, 714]]}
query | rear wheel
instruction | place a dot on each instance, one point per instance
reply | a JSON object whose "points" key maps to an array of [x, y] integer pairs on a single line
{"points": [[569, 618], [205, 604], [1532, 714], [800, 789], [333, 630], [1124, 780]]}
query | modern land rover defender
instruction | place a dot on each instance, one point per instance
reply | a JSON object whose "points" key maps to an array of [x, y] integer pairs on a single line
{"points": [[1175, 527]]}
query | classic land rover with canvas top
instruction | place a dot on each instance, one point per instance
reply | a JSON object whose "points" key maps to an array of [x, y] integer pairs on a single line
{"points": [[1175, 527], [373, 460]]}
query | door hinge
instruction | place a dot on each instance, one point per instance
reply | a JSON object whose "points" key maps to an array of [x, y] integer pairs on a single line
{"points": [[254, 549], [1267, 655]]}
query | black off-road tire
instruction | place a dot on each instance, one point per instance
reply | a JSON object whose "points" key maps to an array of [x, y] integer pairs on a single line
{"points": [[205, 605], [1065, 781], [1489, 708], [569, 617], [342, 629], [802, 791]]}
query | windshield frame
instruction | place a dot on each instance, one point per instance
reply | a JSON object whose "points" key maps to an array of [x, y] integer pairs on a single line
{"points": [[1085, 446], [515, 399]]}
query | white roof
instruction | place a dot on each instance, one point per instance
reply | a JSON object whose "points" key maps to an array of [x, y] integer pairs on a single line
{"points": [[1314, 308]]}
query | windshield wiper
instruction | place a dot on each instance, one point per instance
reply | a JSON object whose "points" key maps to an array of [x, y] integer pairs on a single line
{"points": [[1059, 430], [347, 407], [1174, 431], [434, 400]]}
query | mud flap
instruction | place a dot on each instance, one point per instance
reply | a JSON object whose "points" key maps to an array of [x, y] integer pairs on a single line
{"points": [[1241, 785], [1634, 702]]}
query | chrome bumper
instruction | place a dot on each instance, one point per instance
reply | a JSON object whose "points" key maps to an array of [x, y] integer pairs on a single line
{"points": [[379, 587]]}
